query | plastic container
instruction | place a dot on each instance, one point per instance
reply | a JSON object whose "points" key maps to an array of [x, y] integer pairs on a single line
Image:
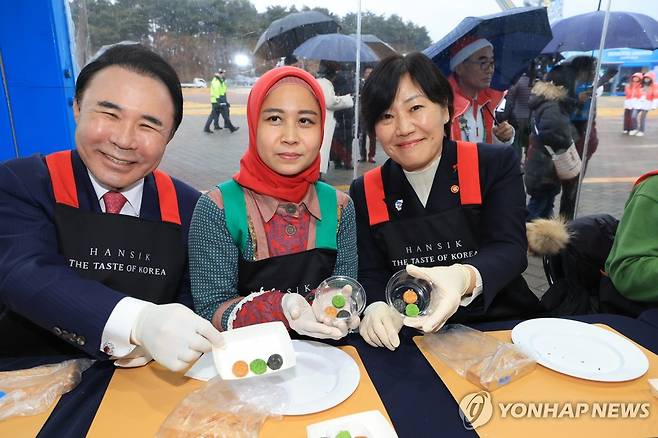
{"points": [[407, 294], [340, 297]]}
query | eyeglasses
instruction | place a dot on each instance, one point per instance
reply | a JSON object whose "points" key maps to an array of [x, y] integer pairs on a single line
{"points": [[484, 65]]}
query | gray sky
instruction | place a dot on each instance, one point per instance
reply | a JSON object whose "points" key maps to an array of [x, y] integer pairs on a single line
{"points": [[440, 16]]}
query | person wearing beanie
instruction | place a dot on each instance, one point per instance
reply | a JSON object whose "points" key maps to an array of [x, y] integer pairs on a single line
{"points": [[472, 66]]}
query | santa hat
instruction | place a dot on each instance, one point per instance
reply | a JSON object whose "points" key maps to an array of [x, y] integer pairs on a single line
{"points": [[464, 48]]}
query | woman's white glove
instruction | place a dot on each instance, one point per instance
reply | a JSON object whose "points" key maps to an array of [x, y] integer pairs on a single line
{"points": [[380, 325], [449, 284], [301, 319], [320, 303], [174, 335]]}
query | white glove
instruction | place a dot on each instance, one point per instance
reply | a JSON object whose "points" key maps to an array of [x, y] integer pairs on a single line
{"points": [[381, 325], [174, 335], [136, 358], [324, 300], [301, 319], [449, 284]]}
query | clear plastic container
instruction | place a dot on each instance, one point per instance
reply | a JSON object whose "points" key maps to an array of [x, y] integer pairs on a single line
{"points": [[340, 297], [407, 294]]}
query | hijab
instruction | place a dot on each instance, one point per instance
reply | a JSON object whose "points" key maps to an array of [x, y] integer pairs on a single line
{"points": [[254, 174]]}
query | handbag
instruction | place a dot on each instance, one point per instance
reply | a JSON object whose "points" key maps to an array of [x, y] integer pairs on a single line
{"points": [[568, 163]]}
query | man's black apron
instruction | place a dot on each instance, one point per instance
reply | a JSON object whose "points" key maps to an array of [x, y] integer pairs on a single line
{"points": [[453, 238], [140, 258], [300, 272]]}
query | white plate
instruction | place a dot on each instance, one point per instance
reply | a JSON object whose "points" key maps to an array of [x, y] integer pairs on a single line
{"points": [[580, 350], [323, 377], [371, 424], [257, 341]]}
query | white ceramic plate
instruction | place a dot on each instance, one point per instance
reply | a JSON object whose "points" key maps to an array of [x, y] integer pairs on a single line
{"points": [[323, 377], [258, 341], [371, 424], [580, 350]]}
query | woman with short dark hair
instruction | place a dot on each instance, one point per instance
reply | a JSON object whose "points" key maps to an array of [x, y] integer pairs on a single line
{"points": [[452, 212]]}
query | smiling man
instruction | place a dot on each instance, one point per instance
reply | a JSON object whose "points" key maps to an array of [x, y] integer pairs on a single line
{"points": [[472, 65], [93, 241]]}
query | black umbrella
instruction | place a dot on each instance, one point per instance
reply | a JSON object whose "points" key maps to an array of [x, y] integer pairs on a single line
{"points": [[283, 35]]}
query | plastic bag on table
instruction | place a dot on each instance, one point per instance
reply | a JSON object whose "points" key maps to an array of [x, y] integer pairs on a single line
{"points": [[33, 390], [481, 359], [225, 409]]}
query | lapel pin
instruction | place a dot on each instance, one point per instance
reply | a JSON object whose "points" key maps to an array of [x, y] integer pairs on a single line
{"points": [[454, 188], [398, 204]]}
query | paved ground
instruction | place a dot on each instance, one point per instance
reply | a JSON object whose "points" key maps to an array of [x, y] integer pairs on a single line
{"points": [[203, 160]]}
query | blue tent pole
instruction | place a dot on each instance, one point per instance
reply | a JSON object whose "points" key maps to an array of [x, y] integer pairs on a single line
{"points": [[12, 128]]}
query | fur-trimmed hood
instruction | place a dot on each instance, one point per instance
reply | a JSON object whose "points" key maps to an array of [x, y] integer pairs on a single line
{"points": [[549, 91], [547, 236]]}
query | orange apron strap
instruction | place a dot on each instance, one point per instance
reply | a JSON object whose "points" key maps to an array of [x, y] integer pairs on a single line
{"points": [[167, 197], [468, 172], [375, 198], [645, 176], [60, 168]]}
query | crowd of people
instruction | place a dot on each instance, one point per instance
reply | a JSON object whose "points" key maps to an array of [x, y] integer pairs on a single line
{"points": [[102, 252]]}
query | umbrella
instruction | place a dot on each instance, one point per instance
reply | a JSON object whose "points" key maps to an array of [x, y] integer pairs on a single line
{"points": [[582, 32], [334, 47], [518, 35], [283, 35], [381, 48]]}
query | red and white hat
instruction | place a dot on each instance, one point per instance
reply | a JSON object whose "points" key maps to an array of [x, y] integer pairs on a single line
{"points": [[464, 48]]}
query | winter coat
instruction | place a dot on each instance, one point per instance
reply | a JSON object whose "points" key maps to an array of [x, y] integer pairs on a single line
{"points": [[550, 107]]}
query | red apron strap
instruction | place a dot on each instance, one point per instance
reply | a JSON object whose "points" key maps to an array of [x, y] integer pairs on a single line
{"points": [[468, 172], [60, 168], [375, 198], [167, 197], [645, 176]]}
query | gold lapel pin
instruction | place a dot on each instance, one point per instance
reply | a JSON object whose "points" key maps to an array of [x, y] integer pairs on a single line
{"points": [[454, 188]]}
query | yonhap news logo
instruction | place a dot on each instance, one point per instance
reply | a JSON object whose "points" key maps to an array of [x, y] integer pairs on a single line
{"points": [[477, 408]]}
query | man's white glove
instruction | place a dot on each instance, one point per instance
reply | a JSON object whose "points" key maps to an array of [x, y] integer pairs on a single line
{"points": [[174, 335], [301, 319], [380, 325], [136, 358], [449, 284]]}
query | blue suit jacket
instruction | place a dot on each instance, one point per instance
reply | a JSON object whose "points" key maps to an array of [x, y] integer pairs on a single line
{"points": [[502, 254], [35, 280]]}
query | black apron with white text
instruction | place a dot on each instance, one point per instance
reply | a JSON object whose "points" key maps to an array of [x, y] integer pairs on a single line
{"points": [[140, 258], [454, 239]]}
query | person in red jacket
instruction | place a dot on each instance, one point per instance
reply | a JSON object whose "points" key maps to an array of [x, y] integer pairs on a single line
{"points": [[646, 101], [631, 95], [472, 66]]}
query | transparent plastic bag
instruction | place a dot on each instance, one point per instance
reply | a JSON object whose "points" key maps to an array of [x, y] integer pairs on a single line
{"points": [[32, 391], [481, 359], [225, 409]]}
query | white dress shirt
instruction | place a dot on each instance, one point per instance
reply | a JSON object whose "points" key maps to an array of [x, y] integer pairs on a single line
{"points": [[115, 339], [421, 181]]}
